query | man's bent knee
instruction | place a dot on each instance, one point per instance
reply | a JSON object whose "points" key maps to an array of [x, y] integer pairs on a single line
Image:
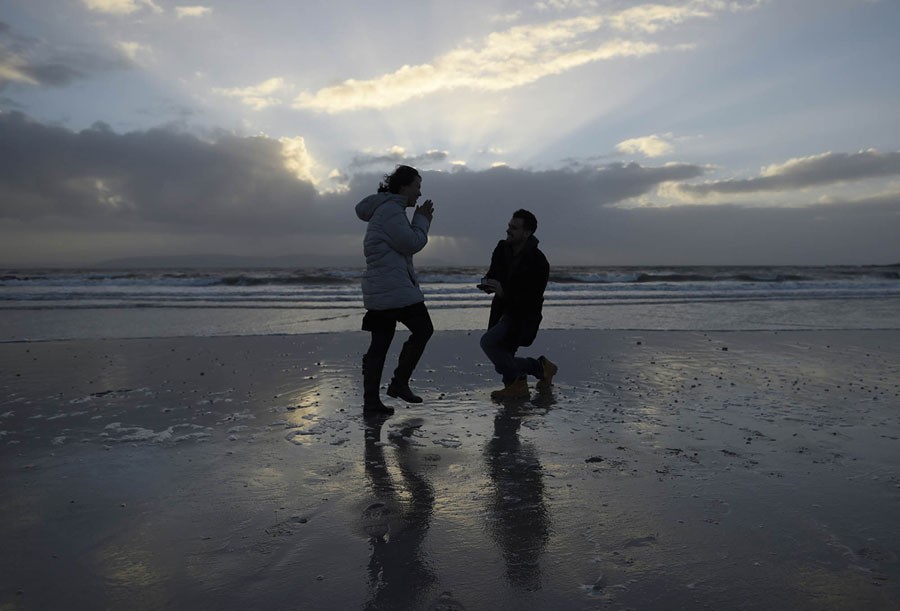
{"points": [[488, 342]]}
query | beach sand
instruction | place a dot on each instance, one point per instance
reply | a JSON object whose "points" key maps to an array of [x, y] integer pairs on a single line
{"points": [[663, 470]]}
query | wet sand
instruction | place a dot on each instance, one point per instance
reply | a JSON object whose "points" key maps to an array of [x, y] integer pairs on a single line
{"points": [[664, 470]]}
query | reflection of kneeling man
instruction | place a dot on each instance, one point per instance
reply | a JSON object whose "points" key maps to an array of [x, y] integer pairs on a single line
{"points": [[517, 278]]}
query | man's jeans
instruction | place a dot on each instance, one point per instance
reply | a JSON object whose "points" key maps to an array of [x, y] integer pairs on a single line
{"points": [[503, 356]]}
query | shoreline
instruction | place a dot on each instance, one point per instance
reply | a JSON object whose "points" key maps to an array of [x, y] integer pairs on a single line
{"points": [[712, 317], [401, 330], [665, 469]]}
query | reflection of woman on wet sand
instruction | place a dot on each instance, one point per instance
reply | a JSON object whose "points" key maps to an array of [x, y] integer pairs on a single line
{"points": [[399, 575], [518, 517]]}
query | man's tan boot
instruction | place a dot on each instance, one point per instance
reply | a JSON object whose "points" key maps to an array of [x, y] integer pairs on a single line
{"points": [[550, 370], [513, 390]]}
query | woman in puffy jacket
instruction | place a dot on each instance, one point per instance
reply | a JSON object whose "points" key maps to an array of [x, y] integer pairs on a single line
{"points": [[390, 287]]}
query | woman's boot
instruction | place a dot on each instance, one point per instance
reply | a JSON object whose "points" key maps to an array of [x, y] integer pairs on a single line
{"points": [[399, 386], [372, 370]]}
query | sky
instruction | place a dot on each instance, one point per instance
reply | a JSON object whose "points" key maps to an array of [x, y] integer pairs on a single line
{"points": [[679, 132]]}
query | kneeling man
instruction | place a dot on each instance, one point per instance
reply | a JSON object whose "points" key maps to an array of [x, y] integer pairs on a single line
{"points": [[517, 278]]}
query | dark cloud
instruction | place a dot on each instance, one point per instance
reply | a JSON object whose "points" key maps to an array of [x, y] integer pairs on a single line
{"points": [[163, 177], [9, 104], [54, 74], [391, 159], [10, 38], [578, 223], [814, 171], [224, 190], [852, 233], [566, 196], [39, 64]]}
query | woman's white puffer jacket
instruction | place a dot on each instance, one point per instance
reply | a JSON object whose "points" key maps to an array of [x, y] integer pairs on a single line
{"points": [[391, 241]]}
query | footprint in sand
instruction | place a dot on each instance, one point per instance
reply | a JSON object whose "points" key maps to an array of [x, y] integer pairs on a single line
{"points": [[641, 541]]}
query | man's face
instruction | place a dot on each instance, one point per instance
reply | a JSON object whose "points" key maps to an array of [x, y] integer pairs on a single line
{"points": [[412, 191], [516, 234]]}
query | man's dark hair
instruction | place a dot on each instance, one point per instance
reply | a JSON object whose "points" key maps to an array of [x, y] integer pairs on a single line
{"points": [[528, 219], [404, 175]]}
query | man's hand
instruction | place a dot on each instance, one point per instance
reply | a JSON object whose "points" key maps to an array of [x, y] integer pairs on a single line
{"points": [[426, 209], [492, 286]]}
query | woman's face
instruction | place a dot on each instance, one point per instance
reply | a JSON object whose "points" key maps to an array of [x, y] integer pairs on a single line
{"points": [[412, 191]]}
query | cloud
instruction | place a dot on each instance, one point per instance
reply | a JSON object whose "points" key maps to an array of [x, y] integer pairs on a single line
{"points": [[852, 232], [517, 56], [19, 64], [562, 193], [258, 97], [506, 17], [801, 173], [120, 7], [397, 155], [239, 184], [192, 11], [560, 5], [159, 177], [497, 67], [298, 160], [14, 69], [134, 50], [649, 146], [114, 195], [30, 62]]}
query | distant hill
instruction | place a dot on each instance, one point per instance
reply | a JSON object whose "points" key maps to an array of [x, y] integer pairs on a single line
{"points": [[229, 261]]}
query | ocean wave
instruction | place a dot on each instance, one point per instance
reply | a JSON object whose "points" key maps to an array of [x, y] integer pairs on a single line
{"points": [[705, 275], [338, 287], [662, 277], [437, 297], [191, 278], [305, 279]]}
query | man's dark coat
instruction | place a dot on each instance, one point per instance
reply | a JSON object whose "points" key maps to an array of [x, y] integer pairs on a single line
{"points": [[524, 278]]}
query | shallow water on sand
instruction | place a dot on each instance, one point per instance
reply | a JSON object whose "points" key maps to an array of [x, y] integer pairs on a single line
{"points": [[797, 314]]}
